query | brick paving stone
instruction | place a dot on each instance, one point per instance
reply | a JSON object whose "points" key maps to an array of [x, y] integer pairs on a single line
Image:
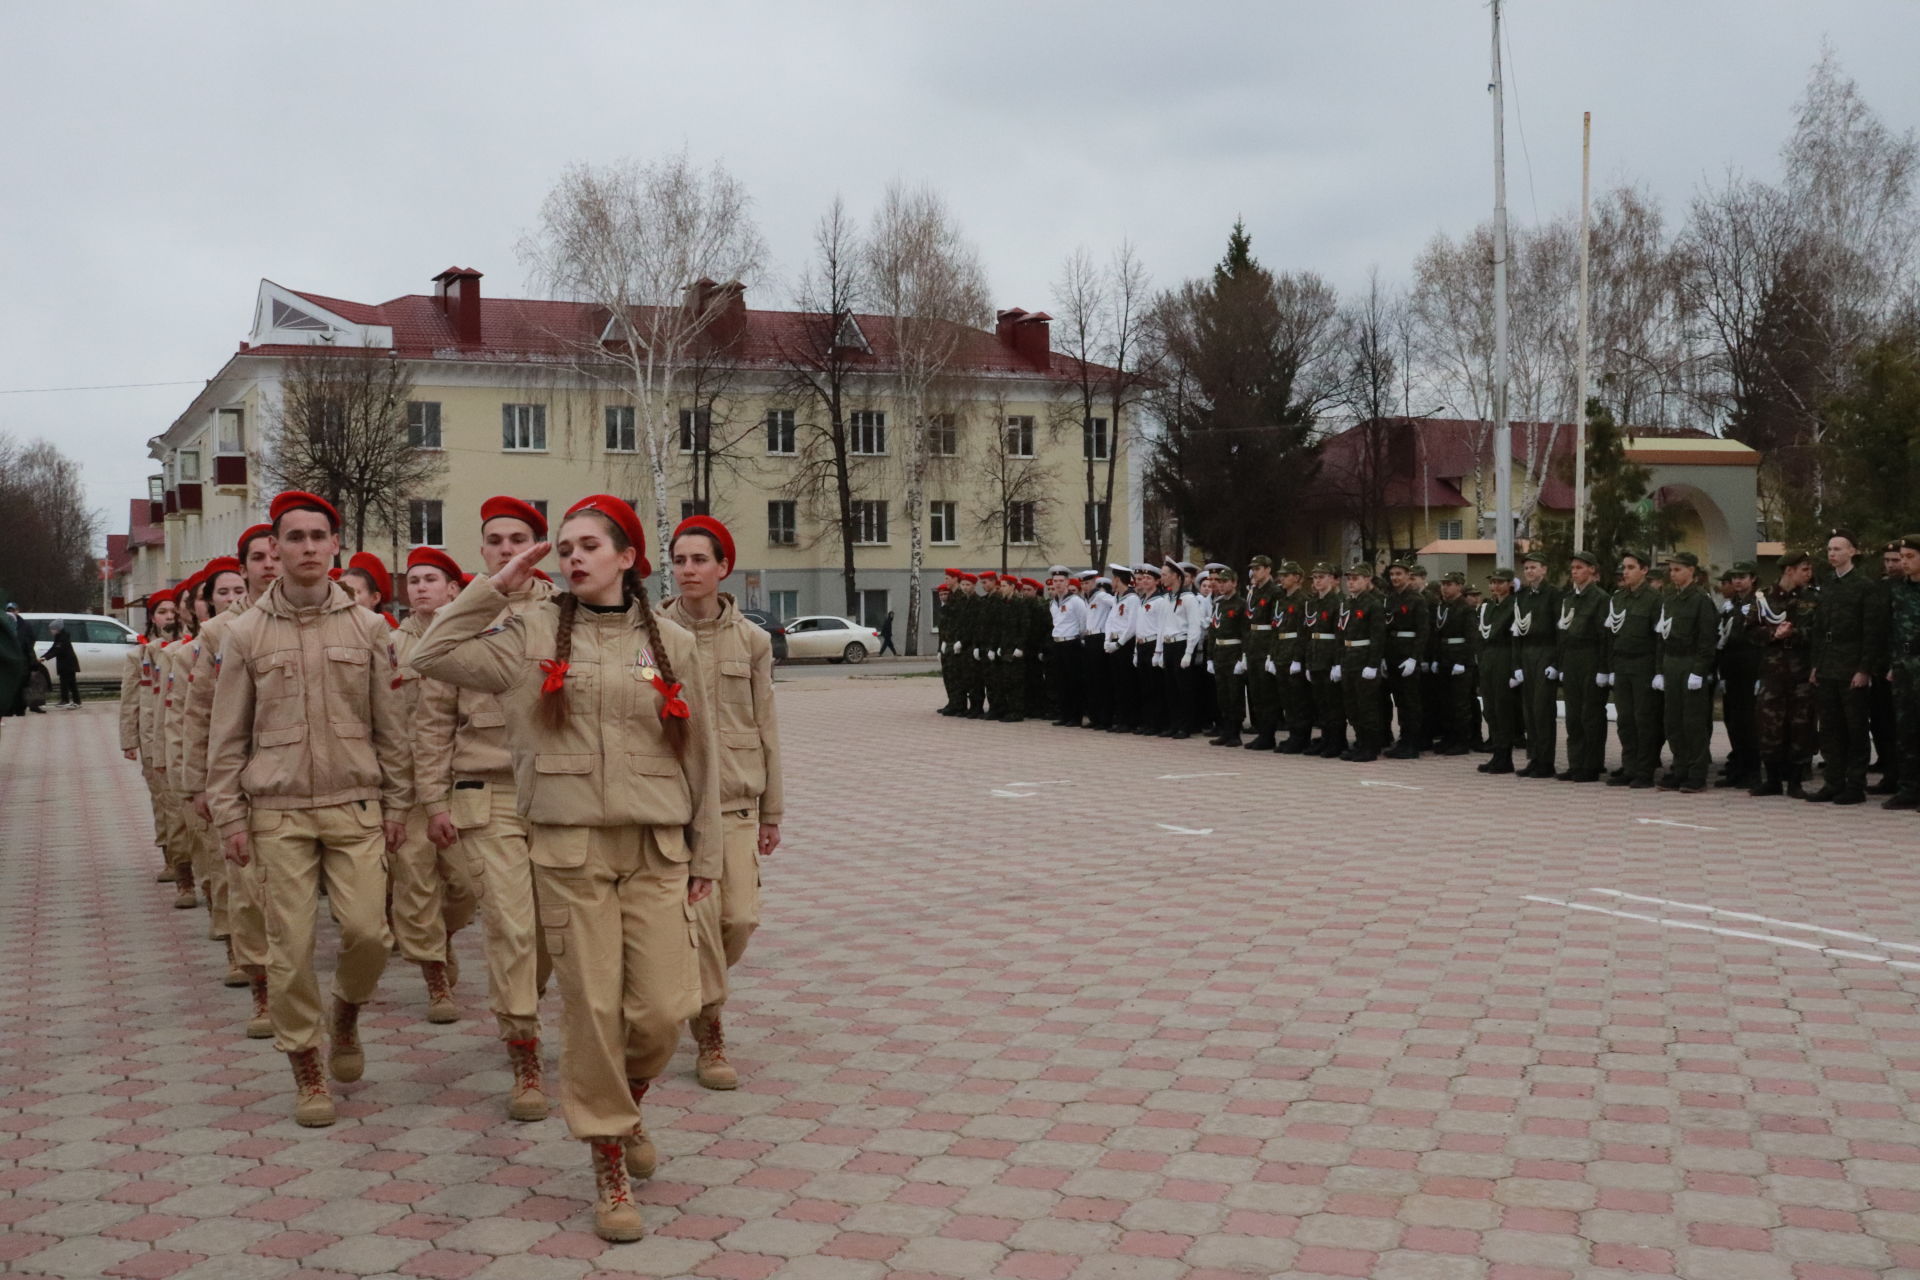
{"points": [[1351, 1047]]}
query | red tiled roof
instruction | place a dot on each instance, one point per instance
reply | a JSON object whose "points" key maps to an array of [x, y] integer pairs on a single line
{"points": [[518, 329], [139, 532], [119, 557]]}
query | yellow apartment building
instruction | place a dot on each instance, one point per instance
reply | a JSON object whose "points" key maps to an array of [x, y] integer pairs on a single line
{"points": [[501, 394]]}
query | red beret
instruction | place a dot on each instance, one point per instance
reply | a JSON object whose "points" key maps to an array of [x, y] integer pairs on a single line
{"points": [[707, 525], [334, 573], [514, 509], [1029, 582], [953, 573], [374, 568], [434, 558], [987, 575], [217, 566], [258, 530], [159, 597], [622, 515], [969, 577], [945, 586], [295, 499]]}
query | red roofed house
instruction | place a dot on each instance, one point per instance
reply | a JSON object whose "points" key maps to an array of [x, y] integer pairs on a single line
{"points": [[498, 387]]}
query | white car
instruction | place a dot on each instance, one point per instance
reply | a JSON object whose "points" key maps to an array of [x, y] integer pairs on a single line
{"points": [[833, 638], [100, 643]]}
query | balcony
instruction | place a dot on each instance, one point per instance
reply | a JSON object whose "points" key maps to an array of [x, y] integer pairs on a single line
{"points": [[230, 470], [172, 503], [156, 512], [189, 497]]}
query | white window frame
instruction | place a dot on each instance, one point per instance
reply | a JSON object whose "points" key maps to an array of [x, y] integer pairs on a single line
{"points": [[943, 523], [620, 422], [417, 412], [943, 429], [1104, 530], [785, 531], [523, 423], [189, 469], [868, 428], [777, 599], [1450, 530], [237, 444], [1018, 436], [780, 427], [692, 423], [1023, 517], [1096, 440], [423, 515], [691, 507], [869, 518]]}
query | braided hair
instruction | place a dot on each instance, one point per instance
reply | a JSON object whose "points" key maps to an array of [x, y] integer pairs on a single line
{"points": [[553, 701]]}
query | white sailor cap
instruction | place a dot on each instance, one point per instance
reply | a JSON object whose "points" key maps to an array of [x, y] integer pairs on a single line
{"points": [[1103, 581], [1119, 570], [1058, 571], [1213, 566], [1088, 575], [1185, 566], [1143, 568]]}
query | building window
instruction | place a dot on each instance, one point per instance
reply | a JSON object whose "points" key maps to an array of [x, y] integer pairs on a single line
{"points": [[423, 424], [523, 426], [1020, 436], [1096, 443], [782, 526], [620, 429], [229, 433], [689, 508], [1020, 523], [870, 523], [696, 430], [780, 431], [540, 505], [156, 488], [189, 471], [1096, 523], [867, 431], [424, 527], [1451, 530], [784, 605], [943, 436], [943, 521]]}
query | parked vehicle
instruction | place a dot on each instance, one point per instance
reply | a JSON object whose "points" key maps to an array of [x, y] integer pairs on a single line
{"points": [[100, 643], [767, 623], [833, 638]]}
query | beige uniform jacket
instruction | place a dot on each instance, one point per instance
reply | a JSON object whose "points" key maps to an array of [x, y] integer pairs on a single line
{"points": [[736, 660], [177, 665], [150, 695], [462, 733], [304, 712], [612, 765], [199, 710], [132, 686]]}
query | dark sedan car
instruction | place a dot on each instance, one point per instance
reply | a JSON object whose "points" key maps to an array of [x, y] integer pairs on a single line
{"points": [[764, 620]]}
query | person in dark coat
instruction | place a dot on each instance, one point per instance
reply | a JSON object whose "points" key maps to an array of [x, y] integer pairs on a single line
{"points": [[66, 664], [18, 705]]}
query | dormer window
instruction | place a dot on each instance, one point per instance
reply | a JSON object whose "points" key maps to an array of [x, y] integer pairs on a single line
{"points": [[291, 317]]}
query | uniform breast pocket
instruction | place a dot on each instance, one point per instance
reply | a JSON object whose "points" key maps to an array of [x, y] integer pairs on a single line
{"points": [[276, 675], [736, 683], [746, 762], [347, 669]]}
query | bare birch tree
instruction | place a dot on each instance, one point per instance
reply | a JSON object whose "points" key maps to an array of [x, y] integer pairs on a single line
{"points": [[1100, 321], [644, 244], [47, 530]]}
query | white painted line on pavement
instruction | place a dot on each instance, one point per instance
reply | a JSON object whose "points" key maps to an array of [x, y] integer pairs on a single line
{"points": [[1399, 786], [1663, 822], [1184, 831], [1725, 933], [1011, 795], [1748, 915], [1051, 782], [1166, 777]]}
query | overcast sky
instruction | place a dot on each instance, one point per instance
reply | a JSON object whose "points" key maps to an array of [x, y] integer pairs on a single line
{"points": [[160, 159]]}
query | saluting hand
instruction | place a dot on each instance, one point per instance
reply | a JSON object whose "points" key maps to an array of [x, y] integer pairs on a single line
{"points": [[517, 572]]}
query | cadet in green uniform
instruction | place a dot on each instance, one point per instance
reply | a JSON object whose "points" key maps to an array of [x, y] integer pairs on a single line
{"points": [[952, 609], [1689, 631], [973, 665], [1453, 714], [1739, 672], [1849, 645], [1409, 630], [1227, 634], [1783, 620], [1536, 607], [1263, 673], [1632, 649], [1580, 666], [1363, 637], [1903, 651], [1494, 656], [1320, 620], [1291, 630], [1007, 678]]}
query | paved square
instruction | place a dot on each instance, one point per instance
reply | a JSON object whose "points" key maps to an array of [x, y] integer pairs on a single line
{"points": [[1047, 1004]]}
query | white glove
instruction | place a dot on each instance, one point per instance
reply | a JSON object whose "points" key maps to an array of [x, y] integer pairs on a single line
{"points": [[1515, 682], [1294, 668], [1459, 669], [1186, 660], [1600, 681], [1240, 667], [1756, 688], [976, 655], [1210, 670], [1334, 675], [1659, 684], [1552, 673], [1408, 667], [1695, 683], [1369, 673], [1309, 674], [1159, 658], [1018, 654], [1274, 671], [1112, 646]]}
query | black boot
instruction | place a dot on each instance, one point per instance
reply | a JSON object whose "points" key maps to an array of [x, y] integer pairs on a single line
{"points": [[1769, 785], [1502, 762], [1796, 772], [1261, 742]]}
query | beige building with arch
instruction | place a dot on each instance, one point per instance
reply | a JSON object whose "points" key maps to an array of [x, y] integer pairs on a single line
{"points": [[500, 390]]}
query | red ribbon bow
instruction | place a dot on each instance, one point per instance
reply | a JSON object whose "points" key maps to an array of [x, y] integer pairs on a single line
{"points": [[672, 703], [556, 675]]}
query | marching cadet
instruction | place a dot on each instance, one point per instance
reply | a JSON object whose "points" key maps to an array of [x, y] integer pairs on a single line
{"points": [[618, 779], [1181, 626], [736, 661], [1409, 635], [1227, 634], [464, 779], [172, 664], [1454, 661], [1689, 631], [1786, 712], [1536, 607], [1148, 661], [1433, 684], [176, 839], [1499, 668], [135, 682], [1096, 686], [1580, 662], [973, 668], [1849, 645], [368, 582], [164, 627], [1007, 677], [1263, 673], [307, 767], [1632, 662], [1291, 629], [1036, 625], [220, 586], [432, 889], [1067, 617], [943, 627], [1881, 719], [1117, 644], [1320, 622], [1903, 650], [1739, 672], [1363, 637]]}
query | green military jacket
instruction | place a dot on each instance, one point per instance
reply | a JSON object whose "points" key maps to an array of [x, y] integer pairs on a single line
{"points": [[1740, 641], [1363, 632], [1535, 611], [1260, 608], [1453, 635], [1291, 628], [953, 618], [1689, 631], [1903, 624], [1850, 628], [1493, 634], [1582, 629], [1782, 624], [1409, 626], [1632, 646], [1319, 632], [1228, 631]]}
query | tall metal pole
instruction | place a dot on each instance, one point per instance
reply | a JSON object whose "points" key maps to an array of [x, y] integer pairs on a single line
{"points": [[1580, 394], [1502, 429]]}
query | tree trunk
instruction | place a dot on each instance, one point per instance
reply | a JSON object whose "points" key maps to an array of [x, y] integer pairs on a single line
{"points": [[657, 464]]}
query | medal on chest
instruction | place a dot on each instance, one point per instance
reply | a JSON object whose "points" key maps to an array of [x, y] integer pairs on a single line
{"points": [[1616, 618]]}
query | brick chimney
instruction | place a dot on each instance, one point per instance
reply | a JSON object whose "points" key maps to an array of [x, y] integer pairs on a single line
{"points": [[1030, 334], [730, 319], [457, 289]]}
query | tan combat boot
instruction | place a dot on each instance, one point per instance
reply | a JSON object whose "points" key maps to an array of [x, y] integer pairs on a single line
{"points": [[185, 899], [615, 1216], [642, 1159], [712, 1068], [440, 1005], [347, 1060], [236, 976], [166, 873], [313, 1105], [453, 966], [260, 1026], [206, 896], [528, 1101]]}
